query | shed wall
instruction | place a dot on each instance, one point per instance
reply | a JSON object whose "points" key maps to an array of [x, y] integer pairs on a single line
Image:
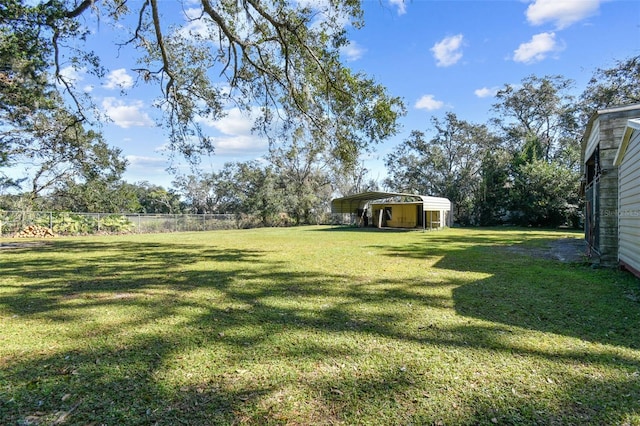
{"points": [[604, 133], [609, 132], [402, 215], [629, 205]]}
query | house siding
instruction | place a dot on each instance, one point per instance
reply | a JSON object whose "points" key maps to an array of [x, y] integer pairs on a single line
{"points": [[629, 205], [604, 133]]}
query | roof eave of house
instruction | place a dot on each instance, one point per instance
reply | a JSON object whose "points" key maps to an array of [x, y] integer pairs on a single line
{"points": [[589, 126], [633, 125]]}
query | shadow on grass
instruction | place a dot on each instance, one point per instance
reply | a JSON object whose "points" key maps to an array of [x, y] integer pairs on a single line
{"points": [[118, 373], [115, 267], [111, 374], [528, 289]]}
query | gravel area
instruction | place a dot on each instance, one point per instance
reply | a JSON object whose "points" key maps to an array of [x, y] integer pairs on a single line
{"points": [[567, 250]]}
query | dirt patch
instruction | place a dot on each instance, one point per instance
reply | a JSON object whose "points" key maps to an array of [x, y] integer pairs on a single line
{"points": [[567, 250]]}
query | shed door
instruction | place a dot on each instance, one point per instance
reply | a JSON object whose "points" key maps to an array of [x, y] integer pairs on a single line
{"points": [[592, 198]]}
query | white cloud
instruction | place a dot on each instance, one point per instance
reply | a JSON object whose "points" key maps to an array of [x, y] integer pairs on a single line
{"points": [[148, 168], [486, 92], [352, 51], [537, 48], [400, 5], [429, 103], [562, 12], [236, 132], [73, 75], [196, 24], [240, 144], [119, 79], [234, 123], [126, 115], [143, 161], [448, 51]]}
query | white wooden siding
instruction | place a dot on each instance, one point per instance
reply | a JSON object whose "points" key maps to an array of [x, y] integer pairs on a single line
{"points": [[629, 198]]}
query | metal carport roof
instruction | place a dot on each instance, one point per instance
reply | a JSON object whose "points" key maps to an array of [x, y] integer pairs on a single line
{"points": [[351, 203]]}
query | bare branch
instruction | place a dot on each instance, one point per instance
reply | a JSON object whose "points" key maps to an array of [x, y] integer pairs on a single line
{"points": [[161, 45], [60, 78], [136, 33], [232, 38]]}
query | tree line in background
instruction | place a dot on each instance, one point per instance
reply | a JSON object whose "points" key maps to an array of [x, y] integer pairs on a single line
{"points": [[276, 61], [281, 62], [523, 167]]}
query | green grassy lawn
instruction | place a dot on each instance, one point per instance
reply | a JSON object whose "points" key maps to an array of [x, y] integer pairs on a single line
{"points": [[315, 325]]}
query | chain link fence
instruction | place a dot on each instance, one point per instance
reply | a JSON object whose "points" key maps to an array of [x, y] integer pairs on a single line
{"points": [[66, 223]]}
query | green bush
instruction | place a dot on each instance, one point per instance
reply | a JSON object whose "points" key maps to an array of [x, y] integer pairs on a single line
{"points": [[68, 223], [116, 223]]}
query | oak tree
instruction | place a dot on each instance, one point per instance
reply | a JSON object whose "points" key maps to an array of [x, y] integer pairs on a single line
{"points": [[279, 58]]}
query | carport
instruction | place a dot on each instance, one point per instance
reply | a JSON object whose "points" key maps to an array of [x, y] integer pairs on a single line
{"points": [[395, 209]]}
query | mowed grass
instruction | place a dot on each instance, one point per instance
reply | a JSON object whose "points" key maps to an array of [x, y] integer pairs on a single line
{"points": [[315, 325]]}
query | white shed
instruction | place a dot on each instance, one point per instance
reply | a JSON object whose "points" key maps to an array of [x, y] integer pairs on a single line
{"points": [[627, 160], [396, 209]]}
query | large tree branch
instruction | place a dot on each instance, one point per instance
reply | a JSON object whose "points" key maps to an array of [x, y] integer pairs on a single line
{"points": [[162, 47], [232, 39], [80, 9]]}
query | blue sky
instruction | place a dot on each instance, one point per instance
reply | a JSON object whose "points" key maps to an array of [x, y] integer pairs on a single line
{"points": [[439, 56]]}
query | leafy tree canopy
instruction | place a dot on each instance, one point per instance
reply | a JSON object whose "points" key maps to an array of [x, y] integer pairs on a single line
{"points": [[618, 85], [539, 108], [448, 165], [278, 57]]}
